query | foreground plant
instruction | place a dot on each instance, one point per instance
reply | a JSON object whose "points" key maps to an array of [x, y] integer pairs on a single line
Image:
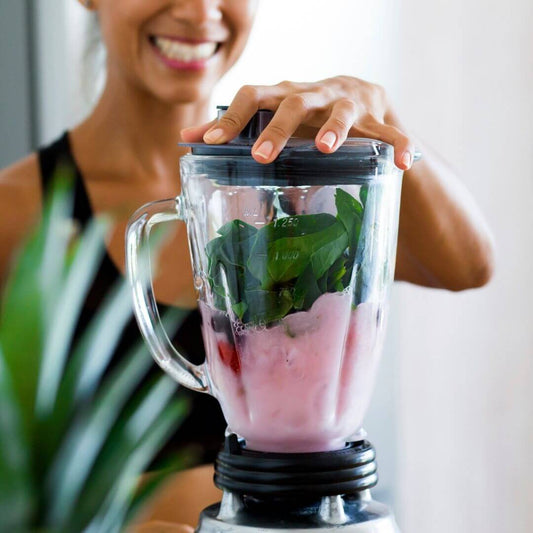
{"points": [[75, 435]]}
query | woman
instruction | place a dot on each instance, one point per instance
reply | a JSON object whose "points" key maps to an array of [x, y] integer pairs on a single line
{"points": [[163, 59]]}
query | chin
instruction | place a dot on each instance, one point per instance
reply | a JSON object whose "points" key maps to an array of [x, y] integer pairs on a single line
{"points": [[182, 92], [181, 96]]}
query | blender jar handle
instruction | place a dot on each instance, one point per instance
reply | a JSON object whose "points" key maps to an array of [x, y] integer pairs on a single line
{"points": [[144, 304]]}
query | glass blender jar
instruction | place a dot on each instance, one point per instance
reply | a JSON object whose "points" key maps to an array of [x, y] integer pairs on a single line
{"points": [[293, 262]]}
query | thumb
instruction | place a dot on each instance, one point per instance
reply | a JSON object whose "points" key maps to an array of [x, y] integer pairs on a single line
{"points": [[196, 133]]}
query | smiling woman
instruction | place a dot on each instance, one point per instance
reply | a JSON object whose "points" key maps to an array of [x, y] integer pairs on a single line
{"points": [[164, 59], [184, 54], [175, 51]]}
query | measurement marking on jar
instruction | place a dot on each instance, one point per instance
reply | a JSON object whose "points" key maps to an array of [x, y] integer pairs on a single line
{"points": [[287, 222], [287, 255]]}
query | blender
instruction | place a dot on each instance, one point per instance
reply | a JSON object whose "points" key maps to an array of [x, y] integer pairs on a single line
{"points": [[293, 262]]}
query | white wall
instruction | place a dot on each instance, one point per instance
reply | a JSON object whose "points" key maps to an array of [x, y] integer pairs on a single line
{"points": [[307, 40], [466, 361], [60, 51]]}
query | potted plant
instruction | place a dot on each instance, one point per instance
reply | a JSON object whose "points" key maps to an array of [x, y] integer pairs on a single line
{"points": [[75, 435]]}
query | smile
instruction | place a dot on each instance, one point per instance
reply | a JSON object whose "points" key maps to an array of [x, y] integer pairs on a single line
{"points": [[180, 53]]}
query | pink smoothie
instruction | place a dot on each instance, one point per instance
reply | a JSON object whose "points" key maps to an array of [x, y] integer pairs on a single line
{"points": [[302, 385]]}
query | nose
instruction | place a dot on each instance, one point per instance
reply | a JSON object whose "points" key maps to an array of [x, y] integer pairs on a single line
{"points": [[197, 11]]}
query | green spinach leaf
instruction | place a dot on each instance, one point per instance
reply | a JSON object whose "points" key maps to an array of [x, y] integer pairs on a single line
{"points": [[287, 264]]}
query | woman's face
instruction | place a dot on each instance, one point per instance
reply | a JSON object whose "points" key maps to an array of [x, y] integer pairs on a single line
{"points": [[175, 49]]}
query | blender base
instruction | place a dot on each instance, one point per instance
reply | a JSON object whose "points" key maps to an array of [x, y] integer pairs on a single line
{"points": [[333, 513], [321, 491]]}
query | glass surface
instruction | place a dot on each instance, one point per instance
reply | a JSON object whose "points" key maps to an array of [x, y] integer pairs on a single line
{"points": [[293, 283]]}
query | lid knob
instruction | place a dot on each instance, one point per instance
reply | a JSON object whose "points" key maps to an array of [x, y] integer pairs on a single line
{"points": [[255, 126]]}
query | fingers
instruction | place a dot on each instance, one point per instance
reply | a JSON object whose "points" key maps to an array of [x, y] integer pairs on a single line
{"points": [[243, 107], [404, 147], [196, 133], [334, 132], [292, 112], [337, 110]]}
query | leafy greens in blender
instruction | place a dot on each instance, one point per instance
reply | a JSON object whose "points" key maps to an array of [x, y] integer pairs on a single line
{"points": [[286, 265]]}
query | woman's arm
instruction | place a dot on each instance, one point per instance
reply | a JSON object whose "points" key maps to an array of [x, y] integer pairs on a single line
{"points": [[20, 208], [180, 501], [443, 240]]}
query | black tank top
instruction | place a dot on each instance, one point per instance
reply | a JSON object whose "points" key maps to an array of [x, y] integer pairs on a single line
{"points": [[204, 427]]}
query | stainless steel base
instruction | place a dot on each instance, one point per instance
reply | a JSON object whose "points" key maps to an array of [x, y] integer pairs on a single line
{"points": [[333, 513]]}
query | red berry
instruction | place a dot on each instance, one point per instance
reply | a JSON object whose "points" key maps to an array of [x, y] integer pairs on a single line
{"points": [[229, 356]]}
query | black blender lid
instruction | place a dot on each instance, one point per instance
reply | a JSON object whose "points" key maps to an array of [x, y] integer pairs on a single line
{"points": [[241, 145], [299, 163]]}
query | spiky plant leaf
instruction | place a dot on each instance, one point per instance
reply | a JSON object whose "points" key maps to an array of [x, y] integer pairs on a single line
{"points": [[151, 482], [86, 436], [60, 423], [69, 301], [115, 508], [16, 498], [29, 296], [89, 360], [108, 489]]}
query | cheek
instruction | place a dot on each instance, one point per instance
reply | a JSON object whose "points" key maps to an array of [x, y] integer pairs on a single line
{"points": [[240, 16], [122, 22]]}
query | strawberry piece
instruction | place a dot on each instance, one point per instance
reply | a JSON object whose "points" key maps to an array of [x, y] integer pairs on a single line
{"points": [[229, 356]]}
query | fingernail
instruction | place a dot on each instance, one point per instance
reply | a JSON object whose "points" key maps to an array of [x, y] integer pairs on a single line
{"points": [[406, 159], [213, 136], [265, 150], [329, 139]]}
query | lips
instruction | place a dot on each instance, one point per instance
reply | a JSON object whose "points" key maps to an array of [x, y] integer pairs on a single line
{"points": [[181, 52]]}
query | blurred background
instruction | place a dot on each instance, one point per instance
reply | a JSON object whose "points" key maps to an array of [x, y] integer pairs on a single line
{"points": [[452, 417]]}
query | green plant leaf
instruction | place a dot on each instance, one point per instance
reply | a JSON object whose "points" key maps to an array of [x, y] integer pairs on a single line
{"points": [[88, 433], [306, 290], [267, 306], [350, 213], [70, 300], [154, 480], [56, 231], [128, 436], [16, 483], [29, 297], [363, 193], [286, 265], [239, 309], [285, 248], [41, 461], [335, 275], [121, 490]]}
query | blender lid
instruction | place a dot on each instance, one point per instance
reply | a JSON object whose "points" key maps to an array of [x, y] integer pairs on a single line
{"points": [[241, 145], [299, 163]]}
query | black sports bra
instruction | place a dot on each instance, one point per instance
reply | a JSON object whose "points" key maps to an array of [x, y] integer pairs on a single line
{"points": [[205, 425]]}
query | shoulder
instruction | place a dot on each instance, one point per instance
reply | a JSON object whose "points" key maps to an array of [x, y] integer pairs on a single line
{"points": [[20, 186], [24, 174], [20, 205]]}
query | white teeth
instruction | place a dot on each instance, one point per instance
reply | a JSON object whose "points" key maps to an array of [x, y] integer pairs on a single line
{"points": [[185, 51]]}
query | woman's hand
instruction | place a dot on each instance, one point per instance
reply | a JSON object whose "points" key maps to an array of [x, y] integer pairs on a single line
{"points": [[329, 110], [435, 208]]}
